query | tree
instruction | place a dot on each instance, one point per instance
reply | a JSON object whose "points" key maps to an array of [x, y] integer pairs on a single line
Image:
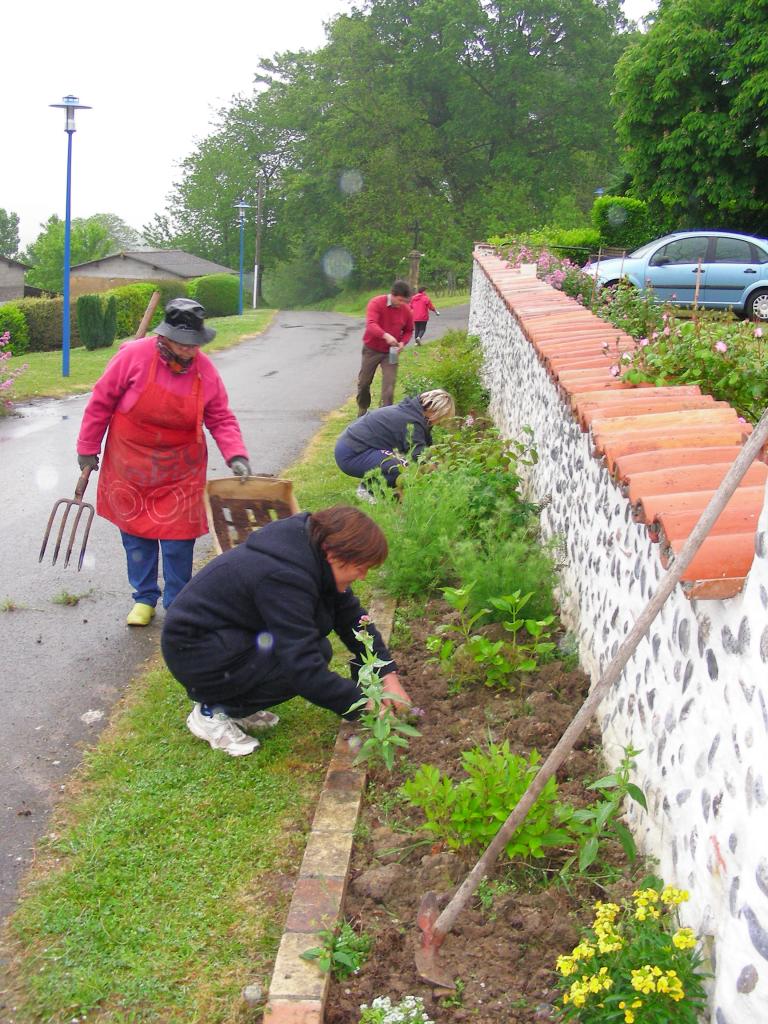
{"points": [[9, 234], [90, 239], [692, 96]]}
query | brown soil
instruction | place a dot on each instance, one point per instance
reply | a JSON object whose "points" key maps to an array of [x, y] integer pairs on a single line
{"points": [[504, 954]]}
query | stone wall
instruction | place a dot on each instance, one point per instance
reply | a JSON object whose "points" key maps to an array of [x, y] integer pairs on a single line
{"points": [[693, 699]]}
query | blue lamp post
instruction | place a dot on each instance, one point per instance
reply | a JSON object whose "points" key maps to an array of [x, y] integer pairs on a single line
{"points": [[69, 104], [241, 206]]}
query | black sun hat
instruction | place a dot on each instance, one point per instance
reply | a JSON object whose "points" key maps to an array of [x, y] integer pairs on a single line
{"points": [[183, 323]]}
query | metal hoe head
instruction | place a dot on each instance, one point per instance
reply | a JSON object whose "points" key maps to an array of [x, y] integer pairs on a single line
{"points": [[84, 509]]}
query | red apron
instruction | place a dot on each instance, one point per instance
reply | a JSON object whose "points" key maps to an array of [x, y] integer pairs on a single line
{"points": [[152, 475]]}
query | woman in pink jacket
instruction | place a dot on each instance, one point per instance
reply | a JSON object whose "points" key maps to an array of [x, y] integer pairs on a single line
{"points": [[155, 396], [420, 307]]}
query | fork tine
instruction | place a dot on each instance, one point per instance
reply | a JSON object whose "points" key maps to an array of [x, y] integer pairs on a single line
{"points": [[73, 531], [47, 534], [86, 534], [67, 506]]}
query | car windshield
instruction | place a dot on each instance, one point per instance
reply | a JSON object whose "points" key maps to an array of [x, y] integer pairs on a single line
{"points": [[645, 249]]}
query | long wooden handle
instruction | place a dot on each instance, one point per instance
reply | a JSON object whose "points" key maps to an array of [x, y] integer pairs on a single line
{"points": [[578, 724]]}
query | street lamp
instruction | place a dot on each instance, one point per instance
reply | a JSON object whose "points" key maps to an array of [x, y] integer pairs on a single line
{"points": [[241, 206], [69, 104]]}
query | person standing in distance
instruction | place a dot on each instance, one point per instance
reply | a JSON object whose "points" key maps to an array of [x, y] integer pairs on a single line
{"points": [[388, 329], [154, 397], [420, 307]]}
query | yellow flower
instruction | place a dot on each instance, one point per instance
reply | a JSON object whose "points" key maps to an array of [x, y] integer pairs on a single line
{"points": [[629, 1015], [566, 965], [684, 938], [672, 896], [583, 951]]}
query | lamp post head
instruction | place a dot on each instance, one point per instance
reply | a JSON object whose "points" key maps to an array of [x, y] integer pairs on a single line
{"points": [[70, 104], [241, 206], [599, 192]]}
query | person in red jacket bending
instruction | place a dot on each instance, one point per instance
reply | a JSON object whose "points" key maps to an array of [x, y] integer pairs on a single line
{"points": [[388, 329], [420, 307]]}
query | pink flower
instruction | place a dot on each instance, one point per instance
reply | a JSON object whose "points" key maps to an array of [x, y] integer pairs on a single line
{"points": [[667, 331], [742, 420], [758, 332], [720, 346], [615, 371], [655, 335], [605, 346], [626, 357], [643, 342]]}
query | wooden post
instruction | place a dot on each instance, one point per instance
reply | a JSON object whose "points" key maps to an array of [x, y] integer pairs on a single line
{"points": [[414, 258], [148, 314]]}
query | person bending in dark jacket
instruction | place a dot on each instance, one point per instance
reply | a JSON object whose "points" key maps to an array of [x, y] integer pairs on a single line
{"points": [[385, 438], [250, 630]]}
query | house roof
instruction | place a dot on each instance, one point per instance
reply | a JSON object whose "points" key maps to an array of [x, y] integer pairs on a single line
{"points": [[172, 261], [667, 448], [14, 263]]}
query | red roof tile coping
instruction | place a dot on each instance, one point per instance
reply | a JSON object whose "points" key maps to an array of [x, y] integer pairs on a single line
{"points": [[669, 447], [664, 458]]}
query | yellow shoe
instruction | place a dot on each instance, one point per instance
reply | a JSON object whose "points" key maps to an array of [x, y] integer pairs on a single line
{"points": [[140, 615]]}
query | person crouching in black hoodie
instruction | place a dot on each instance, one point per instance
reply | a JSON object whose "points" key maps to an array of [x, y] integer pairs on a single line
{"points": [[250, 630]]}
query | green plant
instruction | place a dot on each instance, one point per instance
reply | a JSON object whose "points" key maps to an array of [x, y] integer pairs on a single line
{"points": [[91, 311], [634, 964], [65, 598], [410, 1010], [471, 811], [13, 323], [9, 605], [218, 293], [487, 893], [455, 366], [44, 319], [110, 320], [621, 221], [340, 953], [457, 999], [525, 655], [590, 824], [385, 732]]}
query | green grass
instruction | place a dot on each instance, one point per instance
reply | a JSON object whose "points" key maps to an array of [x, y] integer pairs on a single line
{"points": [[43, 379], [354, 303]]}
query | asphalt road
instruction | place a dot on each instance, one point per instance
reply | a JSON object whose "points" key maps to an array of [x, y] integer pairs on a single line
{"points": [[64, 666]]}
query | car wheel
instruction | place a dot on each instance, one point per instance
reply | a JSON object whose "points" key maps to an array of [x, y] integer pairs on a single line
{"points": [[757, 305]]}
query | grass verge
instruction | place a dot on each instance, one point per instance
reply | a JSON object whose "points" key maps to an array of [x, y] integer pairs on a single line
{"points": [[162, 885], [42, 378]]}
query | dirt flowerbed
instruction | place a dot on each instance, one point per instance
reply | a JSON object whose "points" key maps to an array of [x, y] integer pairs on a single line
{"points": [[503, 948]]}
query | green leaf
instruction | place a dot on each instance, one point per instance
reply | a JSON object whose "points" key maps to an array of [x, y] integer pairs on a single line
{"points": [[588, 853], [637, 795]]}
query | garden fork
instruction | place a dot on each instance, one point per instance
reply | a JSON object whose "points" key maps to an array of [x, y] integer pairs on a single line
{"points": [[68, 504]]}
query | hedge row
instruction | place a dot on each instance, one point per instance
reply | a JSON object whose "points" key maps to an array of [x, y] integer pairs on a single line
{"points": [[35, 325]]}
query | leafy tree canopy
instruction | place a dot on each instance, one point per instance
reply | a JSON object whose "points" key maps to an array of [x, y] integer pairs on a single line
{"points": [[90, 239], [9, 234], [419, 122], [692, 100]]}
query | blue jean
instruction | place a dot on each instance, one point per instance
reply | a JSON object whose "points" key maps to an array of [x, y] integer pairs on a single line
{"points": [[359, 463], [142, 555]]}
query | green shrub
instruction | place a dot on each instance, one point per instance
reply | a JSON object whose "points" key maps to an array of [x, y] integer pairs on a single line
{"points": [[502, 565], [218, 293], [90, 321], [471, 812], [12, 320], [297, 284], [45, 322], [621, 221], [132, 301], [454, 366], [110, 320]]}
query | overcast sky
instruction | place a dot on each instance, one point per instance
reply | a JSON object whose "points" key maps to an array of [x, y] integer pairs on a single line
{"points": [[154, 71]]}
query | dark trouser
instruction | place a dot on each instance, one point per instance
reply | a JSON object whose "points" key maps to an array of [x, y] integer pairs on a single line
{"points": [[240, 685], [371, 360], [142, 559], [359, 463], [419, 327]]}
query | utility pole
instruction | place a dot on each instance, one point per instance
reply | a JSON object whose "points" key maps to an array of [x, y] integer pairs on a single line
{"points": [[257, 255], [414, 258]]}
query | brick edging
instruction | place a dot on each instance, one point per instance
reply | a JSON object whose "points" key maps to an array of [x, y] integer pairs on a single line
{"points": [[298, 989]]}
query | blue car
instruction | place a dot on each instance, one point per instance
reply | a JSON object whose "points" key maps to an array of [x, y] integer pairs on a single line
{"points": [[732, 271]]}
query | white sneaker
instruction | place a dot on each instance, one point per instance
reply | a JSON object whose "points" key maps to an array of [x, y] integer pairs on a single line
{"points": [[258, 720], [363, 494], [221, 732]]}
